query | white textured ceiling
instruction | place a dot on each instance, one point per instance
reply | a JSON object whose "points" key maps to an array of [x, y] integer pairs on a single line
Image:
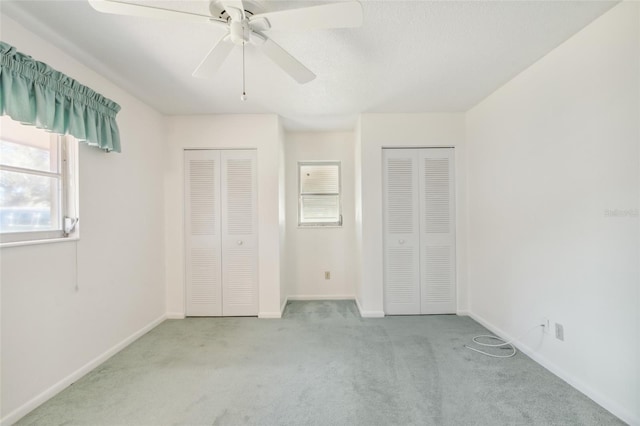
{"points": [[410, 56]]}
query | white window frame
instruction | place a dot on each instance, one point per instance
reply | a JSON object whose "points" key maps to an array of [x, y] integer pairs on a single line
{"points": [[65, 212], [335, 224]]}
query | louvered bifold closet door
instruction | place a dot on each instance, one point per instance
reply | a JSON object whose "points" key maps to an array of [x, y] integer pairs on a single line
{"points": [[239, 233], [437, 229], [401, 232], [202, 233]]}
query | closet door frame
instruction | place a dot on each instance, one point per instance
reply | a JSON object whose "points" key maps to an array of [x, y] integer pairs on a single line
{"points": [[224, 241], [432, 240]]}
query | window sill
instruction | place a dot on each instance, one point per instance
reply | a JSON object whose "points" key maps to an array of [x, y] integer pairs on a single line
{"points": [[38, 242]]}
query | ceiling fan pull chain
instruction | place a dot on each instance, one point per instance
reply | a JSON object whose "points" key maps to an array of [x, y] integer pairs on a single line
{"points": [[244, 93]]}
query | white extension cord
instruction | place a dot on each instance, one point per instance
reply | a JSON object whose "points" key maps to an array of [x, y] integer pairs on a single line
{"points": [[509, 343]]}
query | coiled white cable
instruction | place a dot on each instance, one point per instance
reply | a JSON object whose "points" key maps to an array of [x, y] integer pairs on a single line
{"points": [[504, 343]]}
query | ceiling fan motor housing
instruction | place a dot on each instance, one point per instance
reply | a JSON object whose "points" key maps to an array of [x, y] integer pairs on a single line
{"points": [[239, 31]]}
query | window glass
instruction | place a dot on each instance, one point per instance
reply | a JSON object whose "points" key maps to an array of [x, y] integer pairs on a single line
{"points": [[320, 178], [36, 157], [28, 202], [319, 196], [35, 183]]}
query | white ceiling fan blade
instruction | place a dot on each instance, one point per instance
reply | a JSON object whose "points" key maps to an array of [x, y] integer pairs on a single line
{"points": [[121, 8], [288, 63], [336, 15], [234, 8], [214, 58]]}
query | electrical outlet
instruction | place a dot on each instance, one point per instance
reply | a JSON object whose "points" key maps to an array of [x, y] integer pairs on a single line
{"points": [[327, 275], [559, 332], [546, 325]]}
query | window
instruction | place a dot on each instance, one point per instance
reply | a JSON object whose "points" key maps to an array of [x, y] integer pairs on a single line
{"points": [[319, 194], [37, 197]]}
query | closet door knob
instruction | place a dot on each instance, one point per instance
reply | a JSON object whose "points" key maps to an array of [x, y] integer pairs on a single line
{"points": [[401, 241], [239, 242]]}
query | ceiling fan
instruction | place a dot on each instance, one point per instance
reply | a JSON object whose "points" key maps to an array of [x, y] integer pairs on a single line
{"points": [[244, 26]]}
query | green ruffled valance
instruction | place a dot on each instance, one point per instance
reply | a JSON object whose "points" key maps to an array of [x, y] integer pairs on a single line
{"points": [[32, 92]]}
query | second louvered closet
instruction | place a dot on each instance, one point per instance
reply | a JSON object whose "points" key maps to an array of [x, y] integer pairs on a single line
{"points": [[221, 233], [419, 234]]}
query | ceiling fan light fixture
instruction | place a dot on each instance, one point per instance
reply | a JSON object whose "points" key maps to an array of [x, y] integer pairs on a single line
{"points": [[239, 32]]}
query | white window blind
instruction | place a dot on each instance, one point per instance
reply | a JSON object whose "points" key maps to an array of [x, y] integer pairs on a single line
{"points": [[319, 197]]}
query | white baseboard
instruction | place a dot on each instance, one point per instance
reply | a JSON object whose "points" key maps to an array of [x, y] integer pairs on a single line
{"points": [[463, 313], [602, 400], [49, 393], [368, 314], [283, 306], [322, 297], [175, 315]]}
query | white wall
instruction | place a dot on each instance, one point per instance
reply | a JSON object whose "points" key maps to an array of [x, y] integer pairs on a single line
{"points": [[549, 153], [261, 132], [282, 208], [312, 251], [637, 333], [50, 332], [401, 130], [357, 199]]}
